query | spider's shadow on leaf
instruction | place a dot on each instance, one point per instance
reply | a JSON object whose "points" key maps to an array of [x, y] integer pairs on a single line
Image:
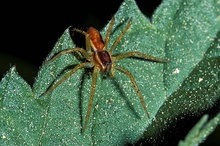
{"points": [[86, 74], [125, 98]]}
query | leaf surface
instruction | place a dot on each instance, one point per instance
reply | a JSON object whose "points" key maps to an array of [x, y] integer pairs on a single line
{"points": [[183, 31]]}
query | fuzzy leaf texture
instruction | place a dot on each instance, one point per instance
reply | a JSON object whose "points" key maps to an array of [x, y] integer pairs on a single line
{"points": [[186, 32], [200, 131]]}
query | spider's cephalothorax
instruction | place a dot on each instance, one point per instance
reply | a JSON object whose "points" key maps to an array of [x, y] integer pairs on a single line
{"points": [[103, 59], [99, 57]]}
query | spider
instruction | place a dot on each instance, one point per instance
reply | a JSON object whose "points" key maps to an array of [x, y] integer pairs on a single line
{"points": [[99, 57]]}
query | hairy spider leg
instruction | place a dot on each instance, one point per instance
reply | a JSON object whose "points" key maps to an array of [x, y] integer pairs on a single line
{"points": [[86, 38], [120, 36], [135, 87], [109, 32], [81, 50], [79, 66], [99, 45], [96, 70], [82, 65], [139, 55]]}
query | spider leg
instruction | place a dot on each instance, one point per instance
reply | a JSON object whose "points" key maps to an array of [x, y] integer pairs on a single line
{"points": [[120, 36], [79, 31], [82, 65], [86, 38], [109, 31], [135, 87], [81, 50], [139, 55], [92, 93]]}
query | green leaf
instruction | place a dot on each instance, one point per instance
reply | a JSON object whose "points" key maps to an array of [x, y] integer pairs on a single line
{"points": [[200, 131], [21, 118], [187, 32], [115, 98], [192, 78], [190, 31]]}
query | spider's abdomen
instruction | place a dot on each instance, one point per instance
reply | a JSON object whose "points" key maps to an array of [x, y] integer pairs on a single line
{"points": [[103, 59], [96, 40]]}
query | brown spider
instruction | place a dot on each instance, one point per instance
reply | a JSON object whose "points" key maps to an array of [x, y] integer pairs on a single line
{"points": [[100, 58]]}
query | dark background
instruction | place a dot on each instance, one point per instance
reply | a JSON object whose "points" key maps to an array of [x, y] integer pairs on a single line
{"points": [[29, 30]]}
